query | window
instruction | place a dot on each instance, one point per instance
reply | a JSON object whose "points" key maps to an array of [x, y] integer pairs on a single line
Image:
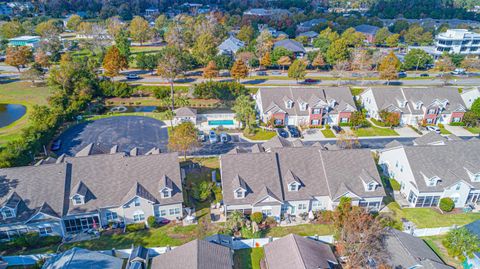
{"points": [[289, 104], [8, 213], [293, 187], [412, 197], [267, 212], [136, 201], [371, 186], [315, 122], [239, 194], [302, 206], [316, 111], [138, 216], [431, 111], [457, 187], [431, 182], [344, 120], [111, 216], [477, 177], [45, 231], [77, 200], [171, 211], [456, 119], [163, 213], [177, 211], [166, 194]]}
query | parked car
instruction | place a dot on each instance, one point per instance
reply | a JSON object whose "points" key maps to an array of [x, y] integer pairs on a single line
{"points": [[294, 132], [310, 81], [133, 76], [282, 133], [201, 136], [402, 74], [337, 129], [56, 145], [424, 75], [433, 129], [224, 137], [212, 137], [261, 73], [458, 71], [276, 73]]}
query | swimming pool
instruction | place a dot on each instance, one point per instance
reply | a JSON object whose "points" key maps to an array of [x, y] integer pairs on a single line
{"points": [[220, 122]]}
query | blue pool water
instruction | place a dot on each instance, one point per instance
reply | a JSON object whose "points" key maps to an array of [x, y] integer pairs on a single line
{"points": [[220, 122]]}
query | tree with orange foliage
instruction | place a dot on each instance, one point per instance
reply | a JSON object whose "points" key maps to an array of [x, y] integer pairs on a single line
{"points": [[18, 56], [210, 71], [114, 62]]}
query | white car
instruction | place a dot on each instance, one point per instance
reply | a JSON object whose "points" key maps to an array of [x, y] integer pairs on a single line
{"points": [[212, 137], [433, 129], [133, 76]]}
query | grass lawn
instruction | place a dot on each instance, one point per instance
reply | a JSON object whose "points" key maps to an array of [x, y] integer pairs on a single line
{"points": [[24, 94], [328, 133], [155, 115], [248, 258], [474, 130], [262, 134], [435, 243], [432, 218], [375, 131], [145, 49], [444, 131], [302, 229]]}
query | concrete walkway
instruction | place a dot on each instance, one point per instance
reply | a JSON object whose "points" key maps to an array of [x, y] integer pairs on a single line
{"points": [[458, 130]]}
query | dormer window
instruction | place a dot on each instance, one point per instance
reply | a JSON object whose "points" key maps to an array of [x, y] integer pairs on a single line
{"points": [[239, 194], [371, 186], [78, 200], [8, 213], [402, 103], [476, 177], [432, 182], [166, 193], [289, 104], [431, 111], [418, 105], [303, 106], [294, 186]]}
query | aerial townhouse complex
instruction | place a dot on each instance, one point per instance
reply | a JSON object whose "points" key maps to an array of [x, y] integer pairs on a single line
{"points": [[305, 106], [291, 179], [417, 106], [94, 188], [460, 41]]}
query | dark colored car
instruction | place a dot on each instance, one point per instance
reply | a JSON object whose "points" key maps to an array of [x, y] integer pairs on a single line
{"points": [[56, 145], [337, 129], [282, 133], [424, 75], [294, 132], [402, 75], [310, 81]]}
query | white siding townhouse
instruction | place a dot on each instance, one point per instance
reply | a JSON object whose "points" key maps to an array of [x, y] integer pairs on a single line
{"points": [[294, 180], [416, 105], [305, 106], [94, 188], [428, 172]]}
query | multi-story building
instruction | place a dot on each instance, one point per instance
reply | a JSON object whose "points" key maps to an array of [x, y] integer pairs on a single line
{"points": [[458, 41], [294, 180], [305, 106], [420, 105], [94, 188], [430, 171]]}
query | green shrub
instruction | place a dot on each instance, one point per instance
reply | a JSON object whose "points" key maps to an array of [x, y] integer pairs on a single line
{"points": [[344, 124], [457, 124], [440, 125], [202, 191], [217, 191], [219, 90], [257, 217], [328, 127], [394, 184], [134, 227], [152, 222], [447, 204], [115, 89], [33, 239], [161, 92]]}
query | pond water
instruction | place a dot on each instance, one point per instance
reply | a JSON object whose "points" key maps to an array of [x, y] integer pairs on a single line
{"points": [[10, 113]]}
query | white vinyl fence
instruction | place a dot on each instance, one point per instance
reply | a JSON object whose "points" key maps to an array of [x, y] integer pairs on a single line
{"points": [[430, 231]]}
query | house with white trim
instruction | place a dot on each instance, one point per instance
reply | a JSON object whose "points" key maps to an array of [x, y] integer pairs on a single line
{"points": [[309, 106], [431, 171], [415, 106], [97, 187], [294, 180]]}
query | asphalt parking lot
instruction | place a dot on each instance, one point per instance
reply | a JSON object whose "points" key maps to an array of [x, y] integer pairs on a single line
{"points": [[125, 131]]}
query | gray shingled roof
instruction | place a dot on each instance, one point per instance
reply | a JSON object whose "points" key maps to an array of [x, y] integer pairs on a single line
{"points": [[309, 34], [185, 112], [321, 173], [430, 138], [296, 252], [406, 250], [231, 44], [390, 99], [40, 188], [141, 175], [272, 98], [105, 180], [367, 29], [197, 254], [449, 162], [291, 45], [77, 258]]}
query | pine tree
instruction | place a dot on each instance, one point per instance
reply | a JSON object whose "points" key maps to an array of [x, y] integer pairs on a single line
{"points": [[239, 70]]}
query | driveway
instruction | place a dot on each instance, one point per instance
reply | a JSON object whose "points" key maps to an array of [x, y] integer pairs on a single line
{"points": [[125, 131], [458, 130]]}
